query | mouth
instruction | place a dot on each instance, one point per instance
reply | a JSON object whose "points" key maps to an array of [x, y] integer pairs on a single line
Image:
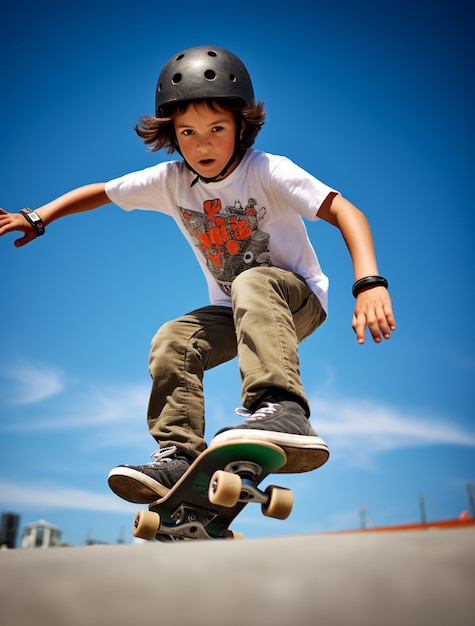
{"points": [[206, 162]]}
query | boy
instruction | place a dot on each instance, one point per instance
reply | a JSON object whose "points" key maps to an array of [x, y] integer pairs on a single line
{"points": [[241, 211]]}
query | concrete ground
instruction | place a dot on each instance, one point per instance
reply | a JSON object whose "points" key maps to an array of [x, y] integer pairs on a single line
{"points": [[411, 577]]}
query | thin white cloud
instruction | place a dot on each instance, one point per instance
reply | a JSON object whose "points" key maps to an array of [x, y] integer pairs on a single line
{"points": [[58, 497], [92, 406], [32, 382], [361, 429], [356, 430]]}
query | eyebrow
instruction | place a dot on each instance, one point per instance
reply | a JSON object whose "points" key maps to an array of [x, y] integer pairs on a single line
{"points": [[214, 123]]}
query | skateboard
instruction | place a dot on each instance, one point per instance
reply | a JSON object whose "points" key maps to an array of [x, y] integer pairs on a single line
{"points": [[214, 490]]}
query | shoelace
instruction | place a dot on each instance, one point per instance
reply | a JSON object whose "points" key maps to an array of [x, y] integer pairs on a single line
{"points": [[266, 410], [162, 456]]}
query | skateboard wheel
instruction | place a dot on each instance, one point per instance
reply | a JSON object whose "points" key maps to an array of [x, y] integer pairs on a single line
{"points": [[224, 489], [146, 525], [232, 534], [279, 504]]}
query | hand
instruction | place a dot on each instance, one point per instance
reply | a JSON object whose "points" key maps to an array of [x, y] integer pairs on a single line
{"points": [[10, 222], [373, 309]]}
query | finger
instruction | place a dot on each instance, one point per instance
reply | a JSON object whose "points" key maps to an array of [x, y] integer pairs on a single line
{"points": [[359, 326], [390, 319], [377, 326], [386, 321], [3, 216], [375, 331], [384, 326]]}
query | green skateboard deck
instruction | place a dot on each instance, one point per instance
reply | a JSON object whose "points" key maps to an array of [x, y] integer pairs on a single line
{"points": [[214, 490]]}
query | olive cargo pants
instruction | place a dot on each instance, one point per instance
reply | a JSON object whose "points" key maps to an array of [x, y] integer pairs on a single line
{"points": [[272, 310]]}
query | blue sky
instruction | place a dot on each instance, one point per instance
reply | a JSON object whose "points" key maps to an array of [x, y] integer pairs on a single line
{"points": [[373, 98]]}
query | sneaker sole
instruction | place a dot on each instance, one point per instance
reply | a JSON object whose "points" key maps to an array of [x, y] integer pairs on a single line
{"points": [[134, 486], [305, 453]]}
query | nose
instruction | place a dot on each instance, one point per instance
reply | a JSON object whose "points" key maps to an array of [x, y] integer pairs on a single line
{"points": [[203, 144]]}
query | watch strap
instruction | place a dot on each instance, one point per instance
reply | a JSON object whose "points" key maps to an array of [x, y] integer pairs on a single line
{"points": [[35, 220]]}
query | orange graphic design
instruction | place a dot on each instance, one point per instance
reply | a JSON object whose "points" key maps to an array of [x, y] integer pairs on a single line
{"points": [[229, 239]]}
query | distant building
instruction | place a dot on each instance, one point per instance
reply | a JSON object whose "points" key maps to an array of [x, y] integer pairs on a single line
{"points": [[90, 541], [9, 530], [40, 535]]}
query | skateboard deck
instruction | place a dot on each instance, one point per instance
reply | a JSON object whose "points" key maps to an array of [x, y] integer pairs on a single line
{"points": [[214, 490]]}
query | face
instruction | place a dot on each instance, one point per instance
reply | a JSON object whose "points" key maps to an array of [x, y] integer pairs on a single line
{"points": [[206, 138]]}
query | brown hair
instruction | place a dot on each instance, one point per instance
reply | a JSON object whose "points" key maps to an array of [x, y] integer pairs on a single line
{"points": [[159, 132]]}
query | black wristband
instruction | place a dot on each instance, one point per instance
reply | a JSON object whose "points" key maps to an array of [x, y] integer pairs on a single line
{"points": [[35, 220], [368, 281]]}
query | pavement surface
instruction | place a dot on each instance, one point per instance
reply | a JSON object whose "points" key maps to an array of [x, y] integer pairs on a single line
{"points": [[343, 579]]}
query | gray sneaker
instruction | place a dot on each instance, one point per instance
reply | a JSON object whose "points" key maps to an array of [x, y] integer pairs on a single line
{"points": [[285, 424], [146, 483]]}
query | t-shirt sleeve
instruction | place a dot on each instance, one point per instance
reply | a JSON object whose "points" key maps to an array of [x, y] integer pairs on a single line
{"points": [[145, 189], [302, 191]]}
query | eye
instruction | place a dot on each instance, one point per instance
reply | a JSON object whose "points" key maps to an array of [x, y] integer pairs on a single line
{"points": [[187, 132], [217, 129]]}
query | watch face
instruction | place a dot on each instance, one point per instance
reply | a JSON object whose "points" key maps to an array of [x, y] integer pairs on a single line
{"points": [[34, 217]]}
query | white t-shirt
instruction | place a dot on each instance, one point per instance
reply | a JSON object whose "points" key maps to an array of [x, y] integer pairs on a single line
{"points": [[252, 217]]}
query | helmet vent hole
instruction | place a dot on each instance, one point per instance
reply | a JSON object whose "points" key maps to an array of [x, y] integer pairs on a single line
{"points": [[210, 75], [232, 78], [176, 78], [179, 57], [212, 53]]}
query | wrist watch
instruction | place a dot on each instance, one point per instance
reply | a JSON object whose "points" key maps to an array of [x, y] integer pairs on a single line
{"points": [[35, 220]]}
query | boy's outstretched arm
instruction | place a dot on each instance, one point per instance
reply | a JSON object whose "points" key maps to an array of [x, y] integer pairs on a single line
{"points": [[373, 308], [81, 199]]}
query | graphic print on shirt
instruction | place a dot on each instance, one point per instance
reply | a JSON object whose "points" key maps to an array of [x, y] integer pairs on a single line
{"points": [[229, 239]]}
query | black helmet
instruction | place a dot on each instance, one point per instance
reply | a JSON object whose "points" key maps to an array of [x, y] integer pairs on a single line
{"points": [[202, 72]]}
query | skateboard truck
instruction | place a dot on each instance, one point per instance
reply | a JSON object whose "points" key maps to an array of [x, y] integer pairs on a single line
{"points": [[237, 483], [190, 524], [192, 514], [249, 472]]}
